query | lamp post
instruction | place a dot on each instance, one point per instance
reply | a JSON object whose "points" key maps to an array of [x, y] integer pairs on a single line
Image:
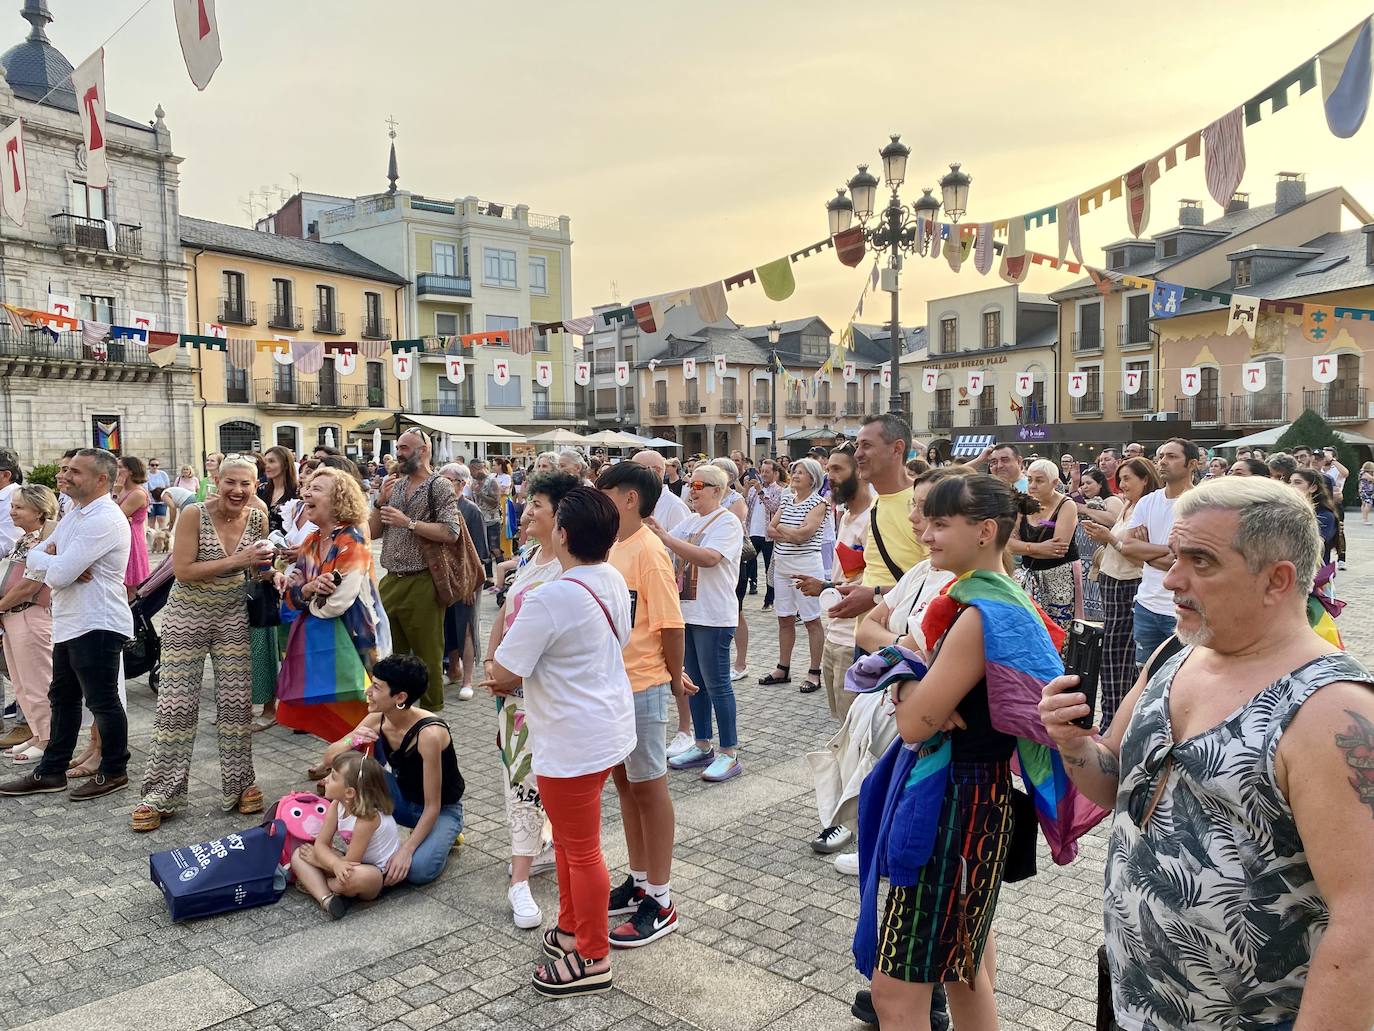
{"points": [[774, 333], [894, 228]]}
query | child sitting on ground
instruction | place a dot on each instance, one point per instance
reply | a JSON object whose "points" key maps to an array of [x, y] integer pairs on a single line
{"points": [[360, 810]]}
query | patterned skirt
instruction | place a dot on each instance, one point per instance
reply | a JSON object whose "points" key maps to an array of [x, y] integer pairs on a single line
{"points": [[935, 930], [1055, 591]]}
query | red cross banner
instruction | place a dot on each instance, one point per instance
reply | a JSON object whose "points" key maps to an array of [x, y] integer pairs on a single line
{"points": [[199, 32], [345, 362], [1253, 376], [15, 189], [582, 373], [1324, 368], [453, 368], [144, 320], [403, 364], [975, 382], [1025, 384], [500, 372], [930, 379], [62, 305], [1078, 383], [622, 374], [89, 83], [887, 376], [689, 368], [1190, 381], [216, 329], [850, 372], [543, 373], [1130, 382]]}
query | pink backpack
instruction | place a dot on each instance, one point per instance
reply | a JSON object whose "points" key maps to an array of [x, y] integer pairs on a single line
{"points": [[303, 813]]}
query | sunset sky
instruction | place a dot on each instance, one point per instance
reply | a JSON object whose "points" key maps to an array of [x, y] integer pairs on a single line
{"points": [[689, 142]]}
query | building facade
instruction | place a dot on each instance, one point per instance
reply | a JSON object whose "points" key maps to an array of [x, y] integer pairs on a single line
{"points": [[261, 286], [111, 252]]}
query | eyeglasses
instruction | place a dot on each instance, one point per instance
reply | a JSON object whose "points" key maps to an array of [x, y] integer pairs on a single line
{"points": [[699, 485], [1145, 795]]}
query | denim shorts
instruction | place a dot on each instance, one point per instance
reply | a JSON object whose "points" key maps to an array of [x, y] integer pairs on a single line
{"points": [[649, 760]]}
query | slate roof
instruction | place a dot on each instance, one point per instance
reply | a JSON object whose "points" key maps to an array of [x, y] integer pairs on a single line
{"points": [[286, 250]]}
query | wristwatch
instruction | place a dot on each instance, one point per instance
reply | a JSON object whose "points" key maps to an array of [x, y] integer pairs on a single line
{"points": [[877, 593], [411, 526]]}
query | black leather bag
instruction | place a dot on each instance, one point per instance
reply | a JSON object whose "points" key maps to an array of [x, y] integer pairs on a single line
{"points": [[1025, 829], [264, 604]]}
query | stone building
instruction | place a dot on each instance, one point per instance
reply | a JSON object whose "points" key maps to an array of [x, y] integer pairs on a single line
{"points": [[112, 252]]}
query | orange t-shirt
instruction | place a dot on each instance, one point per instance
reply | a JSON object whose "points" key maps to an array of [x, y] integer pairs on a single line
{"points": [[643, 561]]}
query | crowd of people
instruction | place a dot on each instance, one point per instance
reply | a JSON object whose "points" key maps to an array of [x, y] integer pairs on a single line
{"points": [[935, 598]]}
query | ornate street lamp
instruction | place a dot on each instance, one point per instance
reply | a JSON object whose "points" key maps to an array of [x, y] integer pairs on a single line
{"points": [[774, 334], [894, 228]]}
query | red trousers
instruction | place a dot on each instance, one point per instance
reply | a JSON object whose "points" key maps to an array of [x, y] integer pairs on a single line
{"points": [[573, 805]]}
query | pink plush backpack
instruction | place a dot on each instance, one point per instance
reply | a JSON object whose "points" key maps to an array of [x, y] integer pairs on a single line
{"points": [[303, 813]]}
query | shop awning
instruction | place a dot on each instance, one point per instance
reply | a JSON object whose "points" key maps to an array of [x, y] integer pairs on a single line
{"points": [[558, 437], [463, 427], [972, 444], [661, 442], [824, 433]]}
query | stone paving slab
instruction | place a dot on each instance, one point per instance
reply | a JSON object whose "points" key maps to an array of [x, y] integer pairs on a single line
{"points": [[764, 943]]}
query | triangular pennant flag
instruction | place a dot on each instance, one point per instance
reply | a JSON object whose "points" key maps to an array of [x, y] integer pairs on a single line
{"points": [[1225, 155], [777, 279], [1316, 323], [710, 302], [953, 252], [14, 176], [849, 246], [982, 250], [644, 317], [1346, 76], [1243, 315], [938, 231], [88, 82], [199, 32]]}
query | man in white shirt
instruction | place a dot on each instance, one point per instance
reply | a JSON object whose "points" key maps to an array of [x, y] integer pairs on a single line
{"points": [[11, 477], [670, 509], [83, 563]]}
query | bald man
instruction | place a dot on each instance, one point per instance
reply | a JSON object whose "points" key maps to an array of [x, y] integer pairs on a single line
{"points": [[670, 509]]}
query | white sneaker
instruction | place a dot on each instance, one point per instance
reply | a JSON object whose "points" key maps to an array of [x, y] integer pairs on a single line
{"points": [[543, 863], [847, 863], [680, 743], [465, 693], [738, 674], [524, 910]]}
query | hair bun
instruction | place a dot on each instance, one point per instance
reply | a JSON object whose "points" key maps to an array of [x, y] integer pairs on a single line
{"points": [[1025, 504]]}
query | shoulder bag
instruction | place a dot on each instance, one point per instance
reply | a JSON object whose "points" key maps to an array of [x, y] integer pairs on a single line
{"points": [[892, 567], [455, 568]]}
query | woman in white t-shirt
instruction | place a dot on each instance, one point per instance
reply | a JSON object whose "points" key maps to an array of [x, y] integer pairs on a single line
{"points": [[706, 548], [797, 529], [565, 645]]}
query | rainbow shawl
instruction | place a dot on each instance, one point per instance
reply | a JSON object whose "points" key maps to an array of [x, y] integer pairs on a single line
{"points": [[1021, 646], [1323, 608]]}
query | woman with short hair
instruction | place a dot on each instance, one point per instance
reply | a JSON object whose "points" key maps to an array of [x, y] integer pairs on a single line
{"points": [[1046, 545], [796, 530], [26, 614]]}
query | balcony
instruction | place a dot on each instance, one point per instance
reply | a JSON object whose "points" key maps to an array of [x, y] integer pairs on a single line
{"points": [[982, 417], [327, 320], [37, 354], [1135, 404], [762, 406], [303, 393], [376, 397], [376, 328], [563, 411], [1133, 336], [1337, 403], [1200, 411], [430, 286], [1086, 341], [940, 420], [284, 316], [1089, 405], [86, 241], [1261, 409], [854, 409], [825, 408], [731, 406], [692, 406], [237, 312], [658, 409], [794, 407], [444, 406]]}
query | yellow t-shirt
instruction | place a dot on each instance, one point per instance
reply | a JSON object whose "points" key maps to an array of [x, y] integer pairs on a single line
{"points": [[893, 514], [643, 561]]}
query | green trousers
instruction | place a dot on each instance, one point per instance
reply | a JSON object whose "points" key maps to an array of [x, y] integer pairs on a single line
{"points": [[417, 627]]}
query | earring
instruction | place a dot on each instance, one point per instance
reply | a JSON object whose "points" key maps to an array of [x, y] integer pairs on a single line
{"points": [[401, 705]]}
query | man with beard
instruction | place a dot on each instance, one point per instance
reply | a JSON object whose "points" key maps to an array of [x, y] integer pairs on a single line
{"points": [[1239, 778], [414, 504]]}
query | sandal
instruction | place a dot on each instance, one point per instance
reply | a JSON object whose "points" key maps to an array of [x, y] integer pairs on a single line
{"points": [[317, 772], [335, 905], [147, 818], [808, 685], [551, 947], [84, 770], [773, 678], [250, 801], [567, 977]]}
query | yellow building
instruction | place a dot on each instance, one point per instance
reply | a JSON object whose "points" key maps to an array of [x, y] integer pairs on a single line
{"points": [[260, 286]]}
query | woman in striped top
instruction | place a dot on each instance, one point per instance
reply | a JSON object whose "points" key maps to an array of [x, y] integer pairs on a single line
{"points": [[796, 530]]}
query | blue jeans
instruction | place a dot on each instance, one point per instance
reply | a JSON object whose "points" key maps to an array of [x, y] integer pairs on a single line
{"points": [[706, 660], [1150, 630], [427, 862]]}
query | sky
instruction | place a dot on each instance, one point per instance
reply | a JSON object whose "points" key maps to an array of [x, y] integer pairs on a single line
{"points": [[689, 142]]}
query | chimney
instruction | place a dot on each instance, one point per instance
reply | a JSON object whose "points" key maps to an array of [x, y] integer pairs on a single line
{"points": [[1369, 244], [1190, 212], [1239, 202], [1291, 192]]}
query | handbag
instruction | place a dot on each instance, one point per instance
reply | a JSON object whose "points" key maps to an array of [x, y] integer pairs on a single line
{"points": [[747, 551], [237, 871], [455, 568], [686, 572], [1025, 828], [14, 573], [264, 604]]}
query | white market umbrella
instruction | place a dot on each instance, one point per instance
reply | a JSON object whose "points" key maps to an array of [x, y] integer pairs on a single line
{"points": [[559, 438], [377, 444], [662, 442], [329, 436], [614, 438], [1270, 437]]}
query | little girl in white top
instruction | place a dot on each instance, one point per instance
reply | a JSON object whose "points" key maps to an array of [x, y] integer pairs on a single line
{"points": [[360, 812]]}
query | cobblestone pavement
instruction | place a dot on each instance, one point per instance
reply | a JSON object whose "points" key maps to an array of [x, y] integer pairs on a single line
{"points": [[85, 940]]}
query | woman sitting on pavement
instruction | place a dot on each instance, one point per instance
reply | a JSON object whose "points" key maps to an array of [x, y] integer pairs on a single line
{"points": [[416, 749]]}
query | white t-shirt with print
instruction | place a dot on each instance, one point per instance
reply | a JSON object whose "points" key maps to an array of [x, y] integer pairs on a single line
{"points": [[578, 700], [1155, 512], [715, 603], [908, 601]]}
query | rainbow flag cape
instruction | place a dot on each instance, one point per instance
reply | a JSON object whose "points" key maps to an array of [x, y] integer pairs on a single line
{"points": [[1021, 646], [1322, 608], [321, 684]]}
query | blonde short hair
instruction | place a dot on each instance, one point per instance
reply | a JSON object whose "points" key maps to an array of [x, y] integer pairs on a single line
{"points": [[711, 474], [39, 498], [1275, 522], [348, 499], [238, 462]]}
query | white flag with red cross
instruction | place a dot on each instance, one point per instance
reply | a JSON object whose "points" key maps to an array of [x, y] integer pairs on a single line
{"points": [[1253, 376], [199, 32], [453, 367], [89, 83], [1190, 381], [500, 372], [15, 191]]}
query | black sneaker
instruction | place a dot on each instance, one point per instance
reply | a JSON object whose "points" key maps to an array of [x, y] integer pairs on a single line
{"points": [[939, 1009], [34, 783], [863, 1008], [625, 899], [11, 710], [650, 923], [831, 840]]}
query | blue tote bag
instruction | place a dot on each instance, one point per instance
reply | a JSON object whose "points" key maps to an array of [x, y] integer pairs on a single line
{"points": [[237, 871]]}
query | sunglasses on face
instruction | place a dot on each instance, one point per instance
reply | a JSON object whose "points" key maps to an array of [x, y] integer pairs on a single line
{"points": [[1145, 795], [699, 485]]}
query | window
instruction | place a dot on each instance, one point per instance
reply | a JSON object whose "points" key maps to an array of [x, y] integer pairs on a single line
{"points": [[372, 305], [539, 275], [445, 324], [444, 257], [992, 328], [233, 308], [288, 437], [661, 397], [949, 335], [284, 383], [326, 318], [815, 345], [987, 400], [448, 396], [1093, 399], [283, 314], [1035, 410], [498, 267], [1242, 272], [499, 322], [235, 383], [822, 391], [87, 202], [1140, 400], [503, 397], [692, 387], [851, 395], [541, 343], [327, 433], [729, 389], [1089, 327], [329, 384], [1169, 248], [376, 385], [1138, 319], [1116, 259], [97, 308], [239, 436]]}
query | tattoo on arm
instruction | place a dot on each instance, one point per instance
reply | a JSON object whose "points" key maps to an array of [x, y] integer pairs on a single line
{"points": [[1108, 763], [1073, 760], [1358, 745]]}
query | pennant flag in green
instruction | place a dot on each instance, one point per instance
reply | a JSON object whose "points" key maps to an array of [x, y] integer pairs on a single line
{"points": [[398, 346], [208, 343], [777, 280], [1304, 77], [1035, 219]]}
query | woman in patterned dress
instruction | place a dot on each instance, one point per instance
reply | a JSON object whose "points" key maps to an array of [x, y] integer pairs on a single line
{"points": [[1047, 545], [205, 614], [796, 530]]}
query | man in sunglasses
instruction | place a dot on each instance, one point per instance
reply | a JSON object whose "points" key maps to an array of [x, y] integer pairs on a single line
{"points": [[1240, 776]]}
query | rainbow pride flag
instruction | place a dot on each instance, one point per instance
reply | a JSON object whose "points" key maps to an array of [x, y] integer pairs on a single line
{"points": [[322, 682], [1021, 647]]}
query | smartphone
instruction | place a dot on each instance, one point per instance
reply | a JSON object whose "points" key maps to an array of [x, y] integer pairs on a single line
{"points": [[337, 577], [1083, 657]]}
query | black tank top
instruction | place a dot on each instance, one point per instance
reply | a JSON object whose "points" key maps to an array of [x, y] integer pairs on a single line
{"points": [[980, 742], [408, 765], [1039, 535]]}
